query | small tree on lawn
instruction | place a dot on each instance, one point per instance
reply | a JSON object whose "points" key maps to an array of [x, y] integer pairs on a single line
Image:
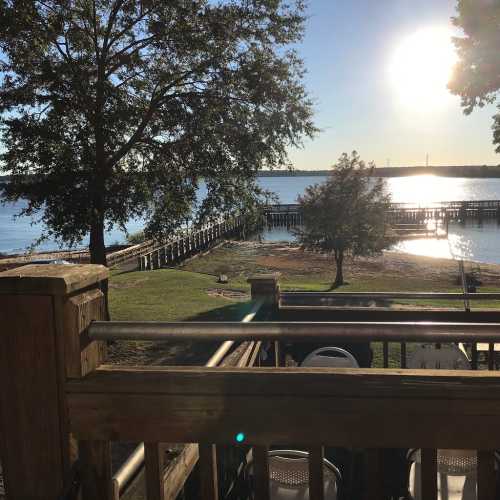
{"points": [[346, 215]]}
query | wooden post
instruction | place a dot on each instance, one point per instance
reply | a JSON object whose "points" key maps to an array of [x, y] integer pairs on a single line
{"points": [[155, 463], [374, 487], [44, 311], [316, 477], [267, 287], [208, 472], [429, 473], [261, 471], [486, 475]]}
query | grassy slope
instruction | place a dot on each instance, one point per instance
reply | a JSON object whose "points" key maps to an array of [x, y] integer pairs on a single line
{"points": [[169, 295], [182, 294]]}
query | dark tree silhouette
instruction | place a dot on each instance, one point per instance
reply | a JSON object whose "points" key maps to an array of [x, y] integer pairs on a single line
{"points": [[114, 109], [476, 77], [346, 215]]}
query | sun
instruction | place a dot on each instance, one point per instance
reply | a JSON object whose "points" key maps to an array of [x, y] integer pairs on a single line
{"points": [[421, 67]]}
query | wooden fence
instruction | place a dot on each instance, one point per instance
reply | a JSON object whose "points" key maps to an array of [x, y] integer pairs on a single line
{"points": [[188, 244], [149, 254]]}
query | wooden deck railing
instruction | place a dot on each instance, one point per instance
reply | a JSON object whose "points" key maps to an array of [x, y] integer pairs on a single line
{"points": [[159, 479], [369, 409], [314, 407], [56, 387]]}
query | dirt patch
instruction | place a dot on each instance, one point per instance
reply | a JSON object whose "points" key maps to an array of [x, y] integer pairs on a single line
{"points": [[405, 271], [236, 295]]}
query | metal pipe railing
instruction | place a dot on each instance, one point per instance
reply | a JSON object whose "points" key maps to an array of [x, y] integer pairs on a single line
{"points": [[136, 459], [297, 331], [390, 295]]}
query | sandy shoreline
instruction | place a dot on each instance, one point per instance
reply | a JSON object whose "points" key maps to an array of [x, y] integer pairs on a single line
{"points": [[388, 271]]}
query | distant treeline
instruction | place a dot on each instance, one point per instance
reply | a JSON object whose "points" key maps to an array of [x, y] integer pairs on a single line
{"points": [[445, 171]]}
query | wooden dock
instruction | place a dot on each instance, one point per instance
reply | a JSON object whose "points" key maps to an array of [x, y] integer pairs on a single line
{"points": [[289, 215]]}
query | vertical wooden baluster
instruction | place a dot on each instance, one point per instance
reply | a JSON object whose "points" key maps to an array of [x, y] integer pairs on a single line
{"points": [[154, 461], [316, 479], [474, 355], [208, 472], [491, 356], [374, 475], [403, 354], [277, 353], [261, 472], [386, 354], [429, 474], [95, 457], [486, 477]]}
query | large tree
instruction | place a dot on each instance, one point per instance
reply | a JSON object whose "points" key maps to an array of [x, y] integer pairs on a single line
{"points": [[345, 215], [476, 77], [113, 109]]}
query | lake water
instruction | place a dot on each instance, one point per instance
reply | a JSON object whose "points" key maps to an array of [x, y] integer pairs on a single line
{"points": [[469, 242]]}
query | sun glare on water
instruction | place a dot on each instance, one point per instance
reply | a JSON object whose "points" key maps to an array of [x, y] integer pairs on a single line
{"points": [[421, 67]]}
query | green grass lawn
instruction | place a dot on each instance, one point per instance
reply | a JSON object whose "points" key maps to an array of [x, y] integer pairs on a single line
{"points": [[170, 295], [191, 292]]}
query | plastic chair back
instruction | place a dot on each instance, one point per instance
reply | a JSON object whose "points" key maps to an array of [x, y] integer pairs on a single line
{"points": [[322, 357], [447, 357], [289, 476]]}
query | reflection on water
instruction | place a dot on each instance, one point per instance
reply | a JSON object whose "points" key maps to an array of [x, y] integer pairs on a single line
{"points": [[480, 243], [425, 190], [469, 242], [426, 247], [473, 242], [418, 189]]}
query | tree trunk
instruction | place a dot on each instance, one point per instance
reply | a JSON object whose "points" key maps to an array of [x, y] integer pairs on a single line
{"points": [[97, 247], [339, 276], [97, 250]]}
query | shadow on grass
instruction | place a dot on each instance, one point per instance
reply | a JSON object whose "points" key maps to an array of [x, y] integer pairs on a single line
{"points": [[230, 312], [124, 271], [191, 353]]}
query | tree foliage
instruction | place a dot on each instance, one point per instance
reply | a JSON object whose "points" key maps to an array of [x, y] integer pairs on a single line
{"points": [[345, 215], [476, 77], [113, 109]]}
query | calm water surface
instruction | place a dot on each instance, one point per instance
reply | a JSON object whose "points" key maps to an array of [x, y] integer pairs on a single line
{"points": [[470, 242]]}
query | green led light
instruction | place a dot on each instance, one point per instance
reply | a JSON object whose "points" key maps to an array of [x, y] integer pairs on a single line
{"points": [[240, 437]]}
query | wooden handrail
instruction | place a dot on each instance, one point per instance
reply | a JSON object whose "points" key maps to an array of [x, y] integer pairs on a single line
{"points": [[339, 407]]}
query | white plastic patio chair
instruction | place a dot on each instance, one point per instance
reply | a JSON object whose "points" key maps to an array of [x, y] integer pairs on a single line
{"points": [[289, 476], [457, 478], [322, 357], [447, 357]]}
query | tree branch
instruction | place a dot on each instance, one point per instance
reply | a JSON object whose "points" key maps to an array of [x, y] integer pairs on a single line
{"points": [[124, 50], [129, 27], [154, 102]]}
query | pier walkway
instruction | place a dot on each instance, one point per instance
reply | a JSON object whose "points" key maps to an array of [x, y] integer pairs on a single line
{"points": [[404, 213]]}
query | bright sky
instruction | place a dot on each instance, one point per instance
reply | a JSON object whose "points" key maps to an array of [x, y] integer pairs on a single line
{"points": [[377, 73]]}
